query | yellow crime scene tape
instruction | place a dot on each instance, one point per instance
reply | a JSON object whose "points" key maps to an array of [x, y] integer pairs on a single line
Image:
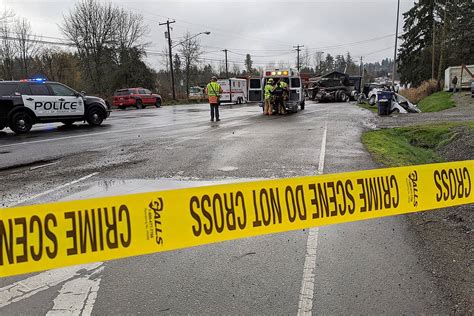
{"points": [[46, 236]]}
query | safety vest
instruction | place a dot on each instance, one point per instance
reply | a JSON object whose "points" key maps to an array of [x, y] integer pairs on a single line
{"points": [[213, 89], [268, 91], [283, 84]]}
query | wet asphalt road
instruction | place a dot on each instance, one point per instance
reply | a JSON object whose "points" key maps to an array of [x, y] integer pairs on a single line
{"points": [[363, 267]]}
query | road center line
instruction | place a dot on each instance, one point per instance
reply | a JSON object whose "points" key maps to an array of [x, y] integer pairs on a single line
{"points": [[77, 296], [305, 304], [26, 288], [51, 190]]}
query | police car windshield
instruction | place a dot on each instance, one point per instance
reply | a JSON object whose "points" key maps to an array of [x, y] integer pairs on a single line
{"points": [[122, 92]]}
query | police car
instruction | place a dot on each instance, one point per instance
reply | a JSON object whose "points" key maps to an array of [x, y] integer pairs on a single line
{"points": [[24, 103]]}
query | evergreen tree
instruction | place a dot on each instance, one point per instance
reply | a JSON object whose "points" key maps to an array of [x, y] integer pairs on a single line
{"points": [[351, 68], [327, 65], [415, 53], [248, 64], [451, 22], [340, 63]]}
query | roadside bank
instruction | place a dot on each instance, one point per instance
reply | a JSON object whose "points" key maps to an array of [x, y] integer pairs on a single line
{"points": [[444, 240]]}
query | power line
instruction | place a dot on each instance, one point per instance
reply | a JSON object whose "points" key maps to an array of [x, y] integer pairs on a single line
{"points": [[353, 43], [215, 28]]}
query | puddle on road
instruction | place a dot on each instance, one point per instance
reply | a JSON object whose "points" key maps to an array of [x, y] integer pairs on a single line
{"points": [[103, 188], [197, 110]]}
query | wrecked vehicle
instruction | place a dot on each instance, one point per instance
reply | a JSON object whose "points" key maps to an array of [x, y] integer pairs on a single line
{"points": [[369, 93], [400, 104], [334, 87], [389, 102]]}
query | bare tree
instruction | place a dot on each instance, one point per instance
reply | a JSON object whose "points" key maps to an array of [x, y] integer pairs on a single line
{"points": [[221, 68], [318, 58], [6, 15], [165, 59], [94, 29], [26, 44], [236, 69], [106, 37], [131, 30], [305, 59], [7, 46], [190, 50], [59, 65]]}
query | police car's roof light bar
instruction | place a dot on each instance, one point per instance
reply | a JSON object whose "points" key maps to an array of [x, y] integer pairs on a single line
{"points": [[34, 80]]}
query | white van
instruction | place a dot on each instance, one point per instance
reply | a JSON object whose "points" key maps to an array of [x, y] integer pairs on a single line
{"points": [[234, 90]]}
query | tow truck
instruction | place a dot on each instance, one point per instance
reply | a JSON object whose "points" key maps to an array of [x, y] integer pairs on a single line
{"points": [[290, 76]]}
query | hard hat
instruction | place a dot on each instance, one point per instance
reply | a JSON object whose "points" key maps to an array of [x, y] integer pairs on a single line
{"points": [[213, 78]]}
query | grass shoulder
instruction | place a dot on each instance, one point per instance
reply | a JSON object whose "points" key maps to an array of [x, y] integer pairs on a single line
{"points": [[437, 101], [412, 145]]}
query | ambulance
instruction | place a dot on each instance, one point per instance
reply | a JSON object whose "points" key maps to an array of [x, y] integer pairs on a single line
{"points": [[234, 90], [290, 76]]}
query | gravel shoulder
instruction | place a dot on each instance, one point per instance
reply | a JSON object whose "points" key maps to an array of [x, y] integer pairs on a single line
{"points": [[444, 236]]}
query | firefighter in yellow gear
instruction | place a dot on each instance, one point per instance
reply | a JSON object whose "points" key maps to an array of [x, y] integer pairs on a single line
{"points": [[282, 84], [268, 108]]}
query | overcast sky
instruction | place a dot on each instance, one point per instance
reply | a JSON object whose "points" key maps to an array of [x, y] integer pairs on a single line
{"points": [[266, 29]]}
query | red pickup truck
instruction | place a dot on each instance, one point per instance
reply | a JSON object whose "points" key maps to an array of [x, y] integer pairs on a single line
{"points": [[137, 97]]}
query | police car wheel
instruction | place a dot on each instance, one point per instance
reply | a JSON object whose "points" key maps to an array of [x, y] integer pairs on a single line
{"points": [[21, 122], [95, 116]]}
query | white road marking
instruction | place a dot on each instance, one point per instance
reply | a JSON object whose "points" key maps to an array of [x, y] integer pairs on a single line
{"points": [[78, 294], [305, 304], [77, 297], [42, 166], [51, 190], [28, 287]]}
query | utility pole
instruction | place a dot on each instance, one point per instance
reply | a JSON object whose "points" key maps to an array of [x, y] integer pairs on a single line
{"points": [[360, 67], [298, 49], [168, 22], [226, 66], [433, 52], [395, 50]]}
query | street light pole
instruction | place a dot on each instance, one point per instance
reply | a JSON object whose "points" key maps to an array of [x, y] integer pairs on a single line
{"points": [[195, 35], [395, 50]]}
